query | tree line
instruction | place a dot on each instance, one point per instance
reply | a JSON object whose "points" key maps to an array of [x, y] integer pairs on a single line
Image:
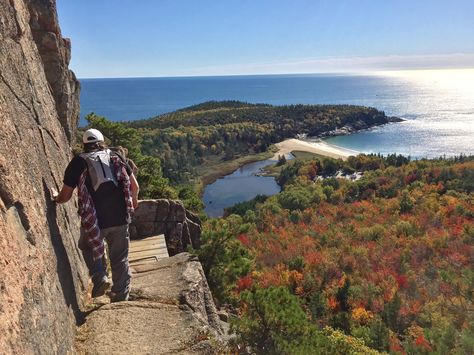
{"points": [[386, 260]]}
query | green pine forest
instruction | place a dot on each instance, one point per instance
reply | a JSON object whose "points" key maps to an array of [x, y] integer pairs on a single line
{"points": [[383, 264]]}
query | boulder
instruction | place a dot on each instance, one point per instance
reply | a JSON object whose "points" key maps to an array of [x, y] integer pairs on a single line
{"points": [[194, 233], [169, 217], [193, 217], [177, 212], [162, 211], [173, 236], [146, 211], [145, 229]]}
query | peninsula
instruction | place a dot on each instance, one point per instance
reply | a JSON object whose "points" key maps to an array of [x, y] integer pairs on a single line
{"points": [[219, 137]]}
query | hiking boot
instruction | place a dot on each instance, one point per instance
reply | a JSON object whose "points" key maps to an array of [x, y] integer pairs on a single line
{"points": [[119, 297], [100, 288]]}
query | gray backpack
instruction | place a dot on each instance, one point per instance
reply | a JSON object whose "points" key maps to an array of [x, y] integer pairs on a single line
{"points": [[100, 167]]}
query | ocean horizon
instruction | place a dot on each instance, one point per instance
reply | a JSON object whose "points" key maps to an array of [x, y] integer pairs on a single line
{"points": [[438, 105]]}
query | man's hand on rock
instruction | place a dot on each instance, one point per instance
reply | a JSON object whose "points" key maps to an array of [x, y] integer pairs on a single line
{"points": [[54, 194]]}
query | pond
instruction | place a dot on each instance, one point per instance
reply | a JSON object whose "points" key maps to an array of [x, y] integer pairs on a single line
{"points": [[242, 185]]}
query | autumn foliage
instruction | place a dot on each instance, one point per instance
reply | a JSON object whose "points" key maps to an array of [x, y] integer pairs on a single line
{"points": [[387, 259]]}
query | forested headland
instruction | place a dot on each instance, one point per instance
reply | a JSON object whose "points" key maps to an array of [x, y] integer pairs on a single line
{"points": [[215, 137], [222, 131]]}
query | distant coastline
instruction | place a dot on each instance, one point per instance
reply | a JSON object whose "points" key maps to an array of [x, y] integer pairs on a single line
{"points": [[431, 130]]}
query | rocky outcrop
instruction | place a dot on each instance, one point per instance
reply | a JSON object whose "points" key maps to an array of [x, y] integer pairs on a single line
{"points": [[359, 125], [55, 53], [170, 311], [42, 275], [169, 217]]}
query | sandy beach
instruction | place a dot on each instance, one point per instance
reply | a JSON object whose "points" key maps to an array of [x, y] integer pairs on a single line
{"points": [[321, 148]]}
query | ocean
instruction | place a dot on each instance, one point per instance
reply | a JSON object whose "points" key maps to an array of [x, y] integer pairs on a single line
{"points": [[438, 105]]}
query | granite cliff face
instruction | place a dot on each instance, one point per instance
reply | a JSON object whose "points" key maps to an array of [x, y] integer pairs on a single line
{"points": [[55, 53], [42, 276], [43, 279]]}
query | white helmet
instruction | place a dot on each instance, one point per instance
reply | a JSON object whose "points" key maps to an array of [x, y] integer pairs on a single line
{"points": [[92, 136]]}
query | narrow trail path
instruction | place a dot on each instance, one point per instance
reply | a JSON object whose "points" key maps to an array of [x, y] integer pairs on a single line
{"points": [[170, 311]]}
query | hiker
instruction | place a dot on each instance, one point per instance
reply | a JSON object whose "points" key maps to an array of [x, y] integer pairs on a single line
{"points": [[124, 153], [108, 192]]}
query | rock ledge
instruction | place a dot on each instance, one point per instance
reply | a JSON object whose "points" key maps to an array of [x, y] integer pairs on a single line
{"points": [[170, 311]]}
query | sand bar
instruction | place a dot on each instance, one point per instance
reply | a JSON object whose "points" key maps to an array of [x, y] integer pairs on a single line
{"points": [[321, 148]]}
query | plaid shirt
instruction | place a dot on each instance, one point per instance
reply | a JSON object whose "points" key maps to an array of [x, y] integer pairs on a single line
{"points": [[122, 176], [87, 210]]}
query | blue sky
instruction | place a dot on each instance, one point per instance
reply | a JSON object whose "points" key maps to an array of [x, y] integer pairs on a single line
{"points": [[125, 38]]}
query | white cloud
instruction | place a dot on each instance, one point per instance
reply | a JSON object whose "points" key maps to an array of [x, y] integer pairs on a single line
{"points": [[341, 65]]}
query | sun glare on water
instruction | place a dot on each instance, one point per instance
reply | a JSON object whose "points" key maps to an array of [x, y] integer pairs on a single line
{"points": [[452, 80], [438, 106]]}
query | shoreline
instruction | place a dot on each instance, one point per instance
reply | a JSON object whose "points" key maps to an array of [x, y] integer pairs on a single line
{"points": [[283, 148], [320, 147], [228, 168]]}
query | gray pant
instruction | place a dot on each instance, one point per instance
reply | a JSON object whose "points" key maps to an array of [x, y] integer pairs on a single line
{"points": [[118, 242]]}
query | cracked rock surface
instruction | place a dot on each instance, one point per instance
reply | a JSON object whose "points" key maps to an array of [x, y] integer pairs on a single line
{"points": [[43, 279], [42, 276], [170, 311]]}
